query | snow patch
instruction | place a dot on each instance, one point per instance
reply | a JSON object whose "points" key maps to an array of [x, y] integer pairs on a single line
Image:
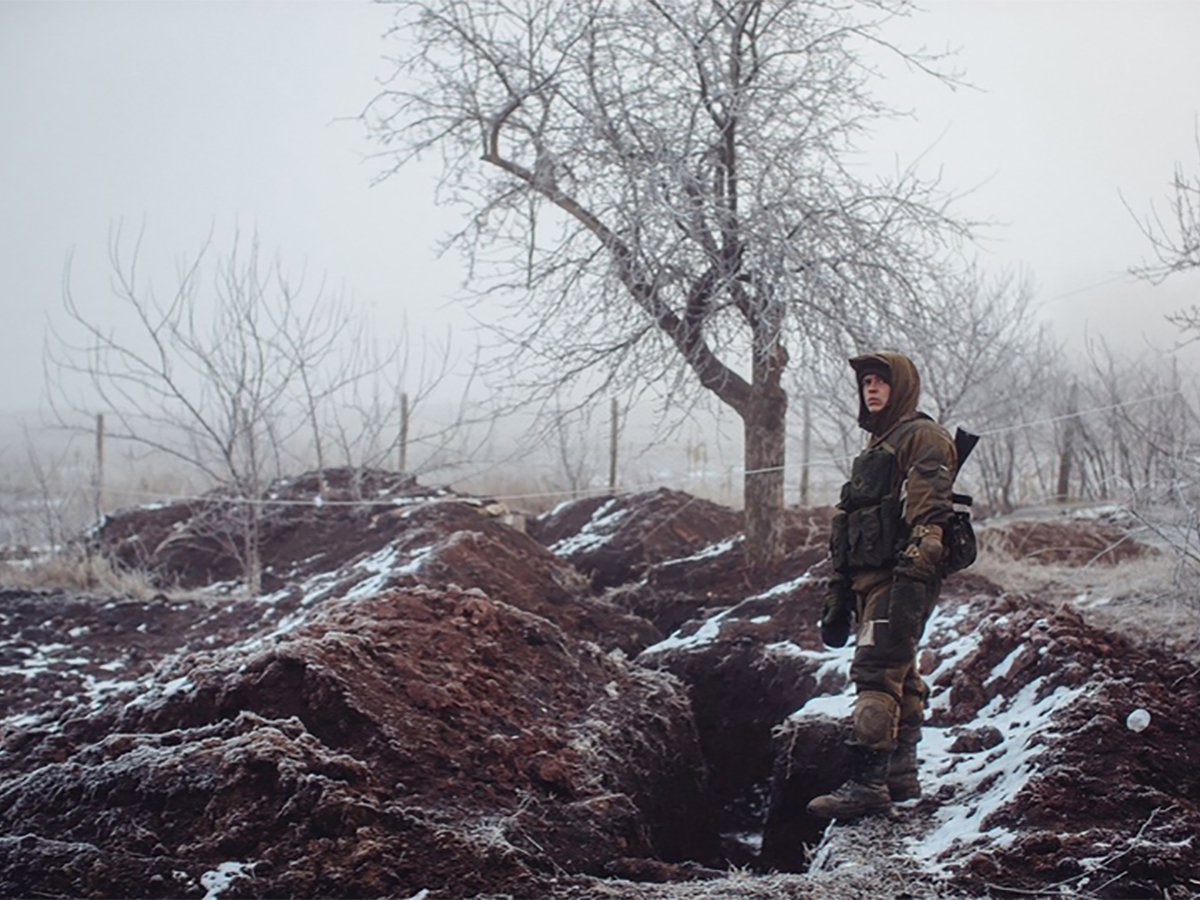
{"points": [[595, 533], [717, 549], [217, 880], [784, 587], [981, 783], [177, 685], [706, 633]]}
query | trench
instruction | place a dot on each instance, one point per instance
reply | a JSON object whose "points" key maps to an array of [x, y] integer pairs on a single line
{"points": [[762, 768]]}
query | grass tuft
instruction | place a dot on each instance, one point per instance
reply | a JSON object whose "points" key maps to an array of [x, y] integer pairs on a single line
{"points": [[73, 569]]}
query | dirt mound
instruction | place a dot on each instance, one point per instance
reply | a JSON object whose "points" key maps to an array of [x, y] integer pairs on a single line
{"points": [[614, 539], [1114, 805], [59, 649], [412, 739], [674, 591], [363, 534], [1035, 776], [426, 698], [308, 524], [1076, 542]]}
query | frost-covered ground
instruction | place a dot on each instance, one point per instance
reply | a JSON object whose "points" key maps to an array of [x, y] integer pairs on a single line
{"points": [[969, 787], [1017, 686]]}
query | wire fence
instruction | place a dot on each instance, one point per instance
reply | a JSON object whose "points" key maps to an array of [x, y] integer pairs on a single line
{"points": [[54, 487]]}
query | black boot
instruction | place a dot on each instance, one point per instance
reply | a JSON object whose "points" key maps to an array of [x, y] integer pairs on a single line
{"points": [[863, 794], [902, 781]]}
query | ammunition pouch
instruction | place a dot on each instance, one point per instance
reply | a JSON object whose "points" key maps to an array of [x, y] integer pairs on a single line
{"points": [[868, 529], [872, 477], [873, 534], [959, 537], [868, 537], [839, 543]]}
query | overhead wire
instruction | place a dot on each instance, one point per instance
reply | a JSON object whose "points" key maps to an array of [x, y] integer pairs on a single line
{"points": [[626, 488]]}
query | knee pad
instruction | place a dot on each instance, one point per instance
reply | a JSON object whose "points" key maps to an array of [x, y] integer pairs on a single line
{"points": [[876, 718]]}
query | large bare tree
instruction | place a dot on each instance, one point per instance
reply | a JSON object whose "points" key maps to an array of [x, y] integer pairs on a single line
{"points": [[1175, 242], [667, 190]]}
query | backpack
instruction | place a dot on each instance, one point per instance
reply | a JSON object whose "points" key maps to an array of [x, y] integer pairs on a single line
{"points": [[958, 536]]}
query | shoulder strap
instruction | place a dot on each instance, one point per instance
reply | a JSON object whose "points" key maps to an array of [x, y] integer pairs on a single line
{"points": [[895, 436], [902, 430]]}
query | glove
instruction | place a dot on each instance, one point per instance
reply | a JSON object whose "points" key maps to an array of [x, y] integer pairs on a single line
{"points": [[922, 557], [837, 612], [908, 604]]}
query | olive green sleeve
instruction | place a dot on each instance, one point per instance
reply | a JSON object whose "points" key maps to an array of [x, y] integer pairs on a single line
{"points": [[928, 462]]}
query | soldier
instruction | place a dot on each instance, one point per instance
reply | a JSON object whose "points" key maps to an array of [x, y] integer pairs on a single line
{"points": [[886, 547]]}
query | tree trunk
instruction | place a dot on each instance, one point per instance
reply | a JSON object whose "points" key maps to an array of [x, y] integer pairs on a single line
{"points": [[253, 548], [806, 452], [764, 421]]}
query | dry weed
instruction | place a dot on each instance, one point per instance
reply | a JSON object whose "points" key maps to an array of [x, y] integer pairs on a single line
{"points": [[75, 570], [1151, 598]]}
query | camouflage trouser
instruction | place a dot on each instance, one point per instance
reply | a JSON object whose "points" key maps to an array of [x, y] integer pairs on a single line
{"points": [[890, 699]]}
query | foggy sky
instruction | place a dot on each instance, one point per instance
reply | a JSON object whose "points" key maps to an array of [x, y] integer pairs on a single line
{"points": [[186, 118]]}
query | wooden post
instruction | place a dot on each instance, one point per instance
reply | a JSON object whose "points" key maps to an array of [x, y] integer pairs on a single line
{"points": [[98, 482], [1068, 447], [614, 428], [404, 434]]}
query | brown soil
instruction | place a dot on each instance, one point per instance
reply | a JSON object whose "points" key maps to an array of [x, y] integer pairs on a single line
{"points": [[429, 699]]}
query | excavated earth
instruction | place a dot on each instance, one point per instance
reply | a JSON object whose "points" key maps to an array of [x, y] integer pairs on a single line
{"points": [[434, 697]]}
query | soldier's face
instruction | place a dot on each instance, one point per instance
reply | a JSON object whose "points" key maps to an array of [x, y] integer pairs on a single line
{"points": [[875, 392]]}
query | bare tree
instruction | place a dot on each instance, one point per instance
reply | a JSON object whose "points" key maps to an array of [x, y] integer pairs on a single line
{"points": [[989, 365], [1141, 437], [984, 360], [49, 507], [222, 375], [1175, 244], [404, 417], [978, 343], [575, 450], [665, 189], [1175, 240]]}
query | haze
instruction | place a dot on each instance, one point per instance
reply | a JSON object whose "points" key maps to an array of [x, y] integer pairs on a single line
{"points": [[190, 118]]}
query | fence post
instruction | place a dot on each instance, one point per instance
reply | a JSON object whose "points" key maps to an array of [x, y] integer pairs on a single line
{"points": [[612, 446], [403, 433], [98, 482], [1068, 448]]}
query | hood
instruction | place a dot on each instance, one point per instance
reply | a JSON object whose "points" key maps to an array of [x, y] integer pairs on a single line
{"points": [[905, 382]]}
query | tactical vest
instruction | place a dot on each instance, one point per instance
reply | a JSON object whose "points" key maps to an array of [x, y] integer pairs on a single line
{"points": [[869, 530]]}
